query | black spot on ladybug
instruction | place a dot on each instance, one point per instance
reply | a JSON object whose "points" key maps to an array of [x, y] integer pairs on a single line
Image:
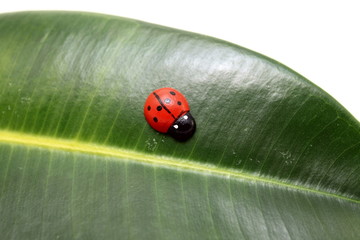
{"points": [[172, 93], [155, 119], [179, 103], [159, 108], [149, 108], [167, 100]]}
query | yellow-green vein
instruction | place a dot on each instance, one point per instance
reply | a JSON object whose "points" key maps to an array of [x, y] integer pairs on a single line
{"points": [[11, 137]]}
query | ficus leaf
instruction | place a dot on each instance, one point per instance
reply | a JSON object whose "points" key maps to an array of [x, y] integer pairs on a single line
{"points": [[273, 157]]}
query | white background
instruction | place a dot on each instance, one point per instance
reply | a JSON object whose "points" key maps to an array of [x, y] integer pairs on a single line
{"points": [[318, 39]]}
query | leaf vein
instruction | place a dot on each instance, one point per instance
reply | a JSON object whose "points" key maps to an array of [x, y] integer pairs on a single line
{"points": [[22, 139]]}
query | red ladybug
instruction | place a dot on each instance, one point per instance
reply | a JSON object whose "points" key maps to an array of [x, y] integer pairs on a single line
{"points": [[167, 111]]}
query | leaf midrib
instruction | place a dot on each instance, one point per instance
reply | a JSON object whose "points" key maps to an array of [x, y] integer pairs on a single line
{"points": [[30, 140]]}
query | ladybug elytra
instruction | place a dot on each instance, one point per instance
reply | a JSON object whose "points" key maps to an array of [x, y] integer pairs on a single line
{"points": [[167, 111]]}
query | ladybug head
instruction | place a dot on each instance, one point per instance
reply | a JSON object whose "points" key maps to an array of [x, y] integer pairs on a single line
{"points": [[183, 128]]}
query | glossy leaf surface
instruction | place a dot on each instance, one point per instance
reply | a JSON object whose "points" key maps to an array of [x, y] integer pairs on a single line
{"points": [[273, 157]]}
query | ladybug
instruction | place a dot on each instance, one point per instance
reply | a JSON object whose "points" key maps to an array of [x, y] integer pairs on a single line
{"points": [[167, 111]]}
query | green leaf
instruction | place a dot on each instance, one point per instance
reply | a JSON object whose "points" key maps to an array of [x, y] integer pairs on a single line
{"points": [[273, 157]]}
